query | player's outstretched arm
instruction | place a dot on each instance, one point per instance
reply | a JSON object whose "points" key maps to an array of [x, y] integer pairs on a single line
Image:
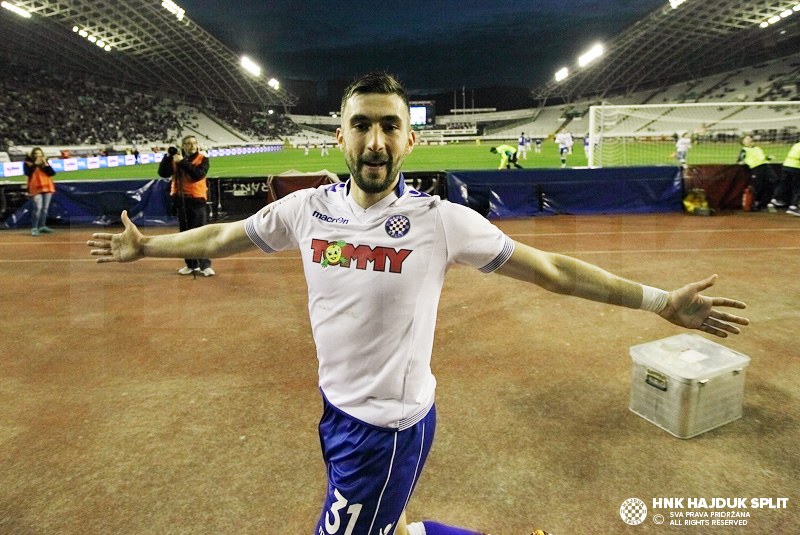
{"points": [[562, 274], [210, 241]]}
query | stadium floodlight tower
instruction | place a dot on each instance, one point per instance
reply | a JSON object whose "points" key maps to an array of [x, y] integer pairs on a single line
{"points": [[133, 43]]}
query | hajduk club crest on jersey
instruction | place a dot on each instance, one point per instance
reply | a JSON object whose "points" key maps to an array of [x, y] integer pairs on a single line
{"points": [[398, 226]]}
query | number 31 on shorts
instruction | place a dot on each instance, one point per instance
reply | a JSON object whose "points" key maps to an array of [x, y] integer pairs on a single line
{"points": [[333, 519]]}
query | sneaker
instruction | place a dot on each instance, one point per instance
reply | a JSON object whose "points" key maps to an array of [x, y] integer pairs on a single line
{"points": [[185, 270], [34, 232], [46, 230], [793, 211], [773, 205], [208, 272]]}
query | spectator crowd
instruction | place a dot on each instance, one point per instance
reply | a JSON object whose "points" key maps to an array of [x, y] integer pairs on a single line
{"points": [[45, 109]]}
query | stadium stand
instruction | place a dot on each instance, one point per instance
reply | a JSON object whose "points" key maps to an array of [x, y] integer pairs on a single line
{"points": [[77, 111], [102, 102], [674, 46]]}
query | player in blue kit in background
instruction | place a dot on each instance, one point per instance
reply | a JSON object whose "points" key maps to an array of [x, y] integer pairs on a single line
{"points": [[374, 232]]}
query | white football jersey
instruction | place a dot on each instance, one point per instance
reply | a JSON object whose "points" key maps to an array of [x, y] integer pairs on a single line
{"points": [[564, 139], [374, 279]]}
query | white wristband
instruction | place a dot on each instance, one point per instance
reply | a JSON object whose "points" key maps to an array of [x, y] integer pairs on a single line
{"points": [[654, 299]]}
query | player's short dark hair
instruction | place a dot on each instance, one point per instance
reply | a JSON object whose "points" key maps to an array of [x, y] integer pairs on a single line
{"points": [[375, 82]]}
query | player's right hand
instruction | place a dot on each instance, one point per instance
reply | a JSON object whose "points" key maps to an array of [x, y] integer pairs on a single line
{"points": [[124, 247]]}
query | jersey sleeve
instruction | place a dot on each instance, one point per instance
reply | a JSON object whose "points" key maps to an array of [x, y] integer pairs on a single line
{"points": [[275, 227], [472, 240]]}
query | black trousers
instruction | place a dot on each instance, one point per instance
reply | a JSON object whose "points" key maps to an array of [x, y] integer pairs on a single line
{"points": [[792, 179], [191, 213], [767, 185]]}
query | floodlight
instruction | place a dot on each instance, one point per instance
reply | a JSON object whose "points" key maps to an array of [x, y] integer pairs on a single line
{"points": [[92, 39], [563, 73], [83, 33], [16, 9], [75, 29], [786, 13], [274, 84], [774, 19], [675, 3], [591, 55], [796, 8], [764, 24], [173, 8], [250, 66]]}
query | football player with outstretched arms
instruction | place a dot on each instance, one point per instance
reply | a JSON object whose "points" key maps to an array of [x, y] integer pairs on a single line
{"points": [[372, 241]]}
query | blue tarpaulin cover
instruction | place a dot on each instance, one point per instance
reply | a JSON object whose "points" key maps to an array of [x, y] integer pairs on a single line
{"points": [[101, 202], [525, 193]]}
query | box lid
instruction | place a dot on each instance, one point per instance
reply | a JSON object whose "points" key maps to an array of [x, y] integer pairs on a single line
{"points": [[688, 357]]}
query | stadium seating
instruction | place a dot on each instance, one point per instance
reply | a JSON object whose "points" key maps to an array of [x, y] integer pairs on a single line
{"points": [[74, 112]]}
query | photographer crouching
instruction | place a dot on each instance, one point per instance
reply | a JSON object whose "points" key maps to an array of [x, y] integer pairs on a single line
{"points": [[189, 193]]}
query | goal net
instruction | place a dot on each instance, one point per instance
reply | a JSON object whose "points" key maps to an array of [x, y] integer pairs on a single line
{"points": [[692, 134]]}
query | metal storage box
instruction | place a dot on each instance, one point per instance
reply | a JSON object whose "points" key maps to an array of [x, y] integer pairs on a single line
{"points": [[686, 384]]}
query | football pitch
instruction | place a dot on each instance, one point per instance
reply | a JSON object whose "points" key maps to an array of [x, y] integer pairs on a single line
{"points": [[457, 156], [461, 156]]}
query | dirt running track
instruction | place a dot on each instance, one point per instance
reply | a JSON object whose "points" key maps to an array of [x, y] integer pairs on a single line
{"points": [[137, 401]]}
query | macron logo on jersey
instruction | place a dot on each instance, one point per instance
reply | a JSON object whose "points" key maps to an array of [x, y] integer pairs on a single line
{"points": [[329, 219], [343, 254]]}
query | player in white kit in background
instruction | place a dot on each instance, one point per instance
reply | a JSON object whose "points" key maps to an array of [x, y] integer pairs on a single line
{"points": [[564, 140], [375, 253], [682, 146]]}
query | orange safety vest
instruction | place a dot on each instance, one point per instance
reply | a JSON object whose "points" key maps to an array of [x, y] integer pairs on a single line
{"points": [[40, 182], [196, 190]]}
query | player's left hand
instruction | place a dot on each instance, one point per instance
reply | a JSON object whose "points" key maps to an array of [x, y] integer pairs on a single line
{"points": [[687, 308]]}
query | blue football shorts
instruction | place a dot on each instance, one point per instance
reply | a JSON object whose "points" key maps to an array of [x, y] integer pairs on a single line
{"points": [[372, 472]]}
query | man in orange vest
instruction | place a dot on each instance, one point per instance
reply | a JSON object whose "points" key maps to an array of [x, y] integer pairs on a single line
{"points": [[189, 193]]}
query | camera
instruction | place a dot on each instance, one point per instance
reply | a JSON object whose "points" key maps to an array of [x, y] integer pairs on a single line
{"points": [[172, 151]]}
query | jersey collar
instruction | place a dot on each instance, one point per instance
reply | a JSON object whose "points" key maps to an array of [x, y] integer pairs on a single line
{"points": [[366, 215]]}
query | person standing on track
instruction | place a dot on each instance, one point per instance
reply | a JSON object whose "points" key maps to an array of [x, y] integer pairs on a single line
{"points": [[791, 177], [189, 193], [375, 253], [765, 182], [40, 188]]}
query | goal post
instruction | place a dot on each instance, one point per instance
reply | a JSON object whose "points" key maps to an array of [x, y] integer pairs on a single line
{"points": [[650, 134]]}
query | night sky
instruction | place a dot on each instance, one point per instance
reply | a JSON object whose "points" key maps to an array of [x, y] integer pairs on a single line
{"points": [[433, 46]]}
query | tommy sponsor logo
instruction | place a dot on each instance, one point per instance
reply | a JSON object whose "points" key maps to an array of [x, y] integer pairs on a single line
{"points": [[343, 254], [329, 219]]}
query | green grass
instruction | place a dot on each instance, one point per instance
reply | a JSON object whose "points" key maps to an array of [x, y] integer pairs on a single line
{"points": [[423, 158], [463, 156]]}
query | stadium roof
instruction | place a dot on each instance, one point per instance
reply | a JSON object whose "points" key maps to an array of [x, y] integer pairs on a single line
{"points": [[696, 38], [150, 46]]}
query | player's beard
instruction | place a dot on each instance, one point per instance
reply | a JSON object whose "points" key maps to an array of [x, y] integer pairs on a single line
{"points": [[361, 173]]}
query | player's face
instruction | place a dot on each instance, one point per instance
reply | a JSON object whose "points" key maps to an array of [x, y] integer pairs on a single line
{"points": [[748, 141], [375, 137]]}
